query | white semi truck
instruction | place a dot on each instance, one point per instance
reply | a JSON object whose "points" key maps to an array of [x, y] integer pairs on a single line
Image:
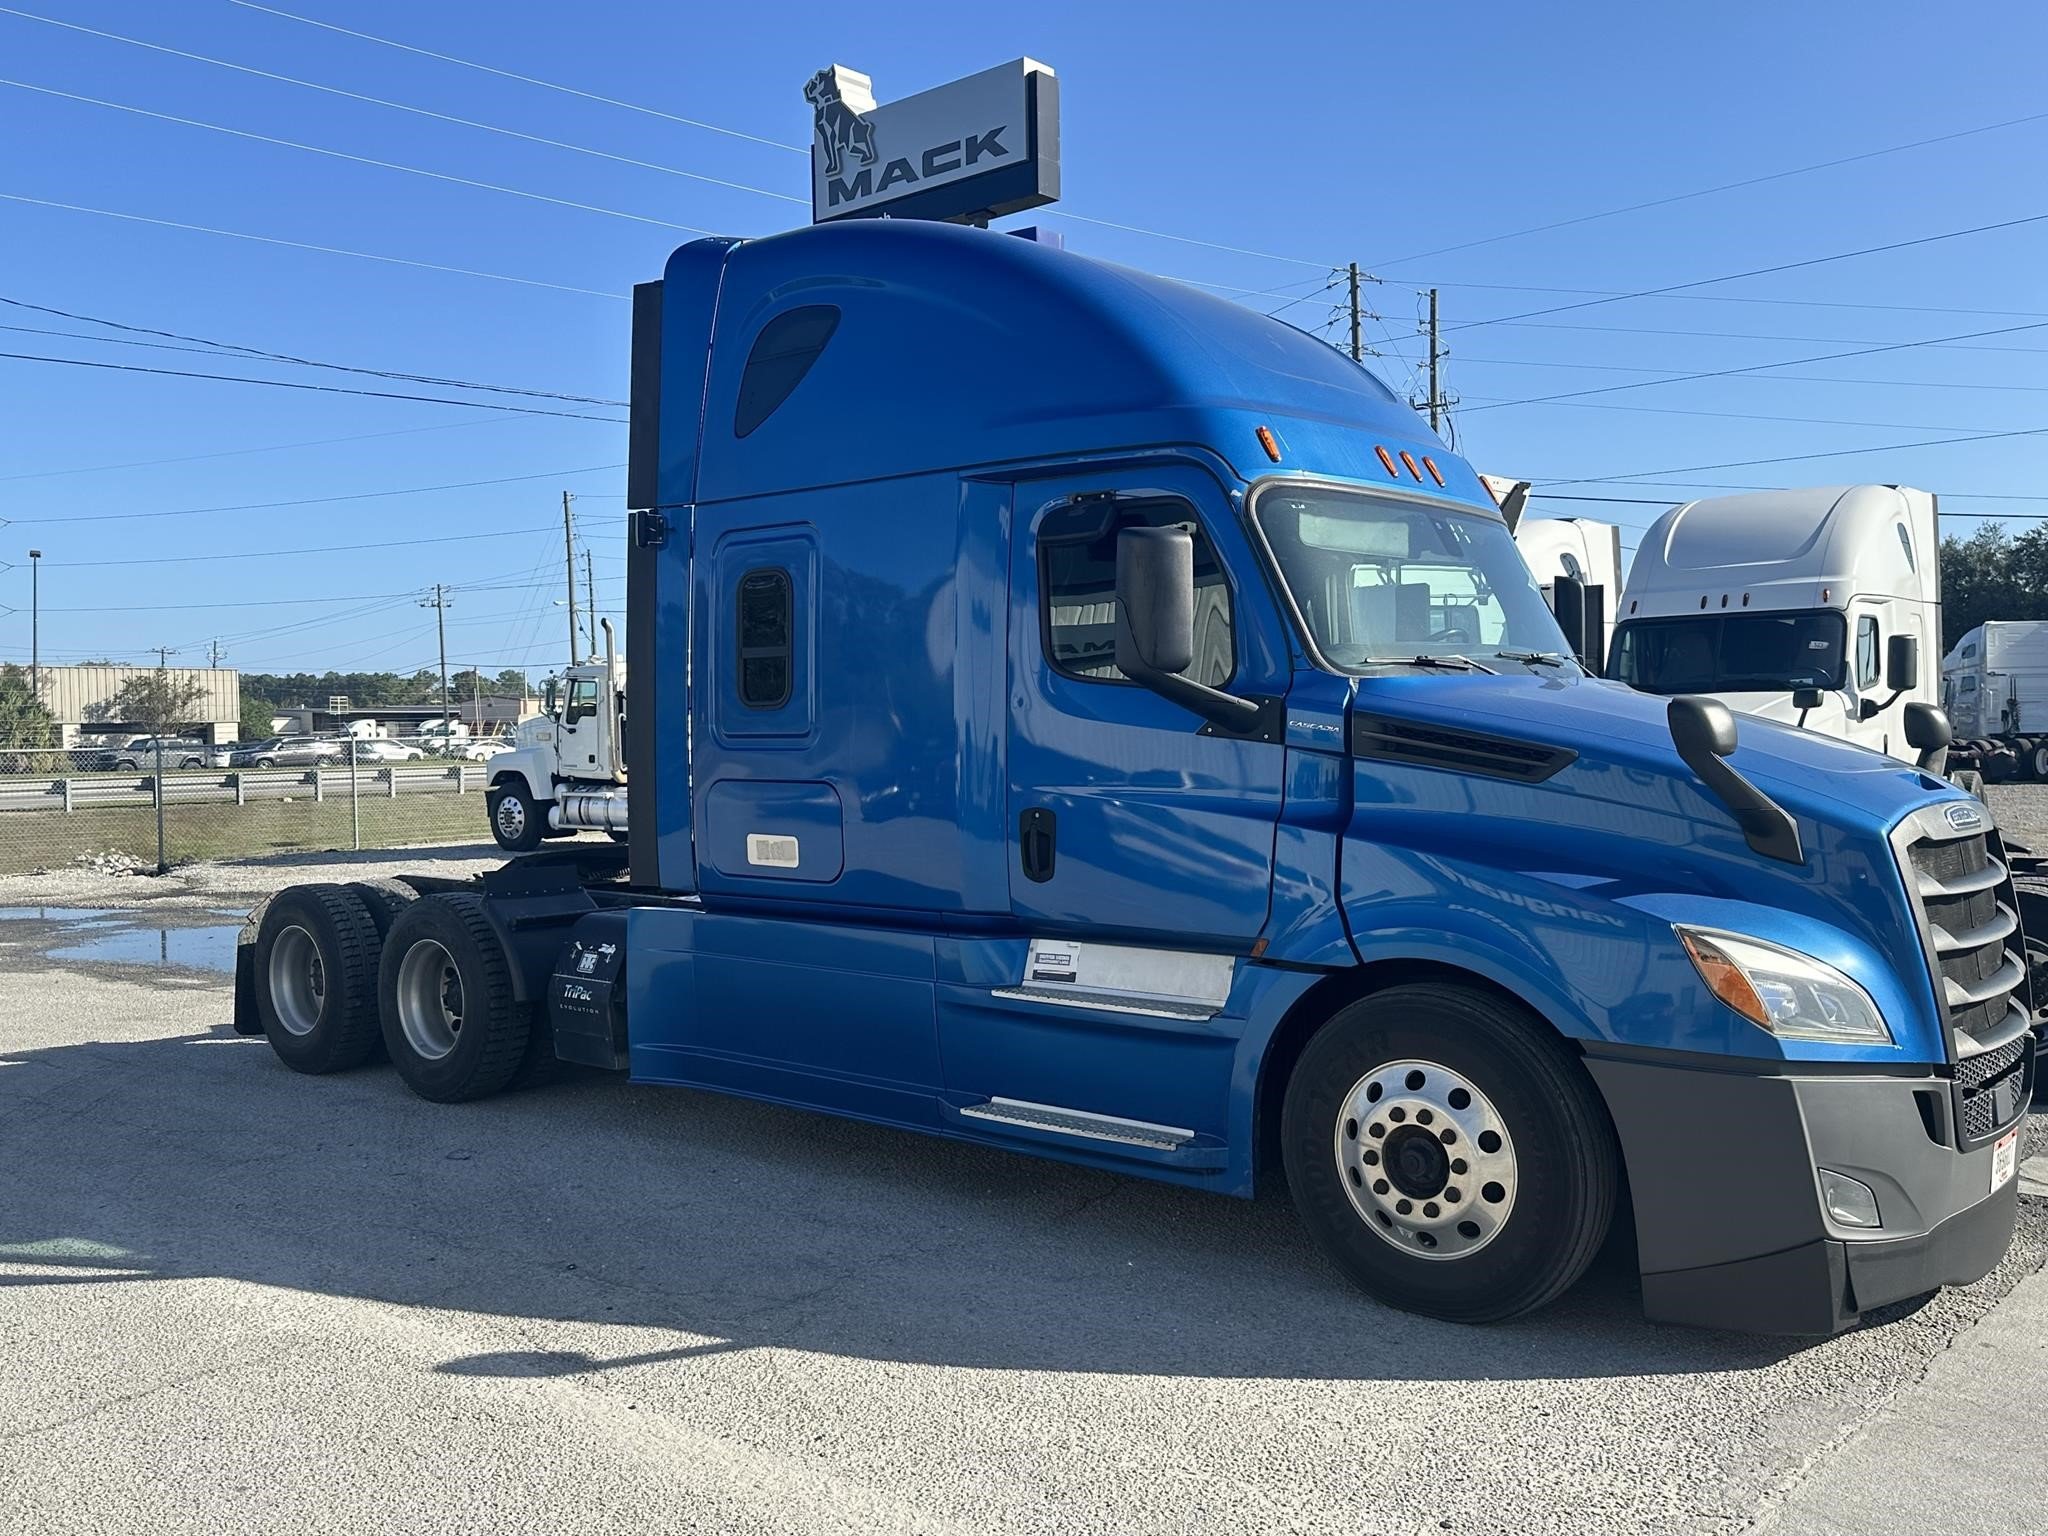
{"points": [[567, 773], [1820, 608], [1583, 551], [1994, 687]]}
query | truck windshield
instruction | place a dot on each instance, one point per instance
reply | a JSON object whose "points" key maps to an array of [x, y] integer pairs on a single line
{"points": [[1380, 578], [1731, 652]]}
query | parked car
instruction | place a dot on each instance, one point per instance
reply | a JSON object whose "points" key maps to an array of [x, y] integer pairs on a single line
{"points": [[139, 754], [381, 749], [482, 749], [288, 752]]}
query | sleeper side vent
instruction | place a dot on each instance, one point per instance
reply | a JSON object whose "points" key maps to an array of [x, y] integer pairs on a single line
{"points": [[1459, 751]]}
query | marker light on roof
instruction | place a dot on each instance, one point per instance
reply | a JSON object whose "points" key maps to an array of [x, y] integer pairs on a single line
{"points": [[1434, 473], [1387, 459], [1408, 459], [1266, 442]]}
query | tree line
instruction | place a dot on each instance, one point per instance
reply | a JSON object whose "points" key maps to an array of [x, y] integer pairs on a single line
{"points": [[1992, 575]]}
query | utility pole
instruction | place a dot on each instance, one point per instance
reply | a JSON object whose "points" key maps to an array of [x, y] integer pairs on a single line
{"points": [[569, 553], [35, 623], [1357, 340], [216, 653], [439, 603], [164, 653], [590, 593], [476, 694], [1438, 406]]}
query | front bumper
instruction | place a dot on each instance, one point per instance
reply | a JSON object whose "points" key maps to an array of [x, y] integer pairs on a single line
{"points": [[1730, 1230]]}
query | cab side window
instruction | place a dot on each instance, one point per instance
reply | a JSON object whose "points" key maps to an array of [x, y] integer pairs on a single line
{"points": [[1868, 669], [1077, 589], [582, 699]]}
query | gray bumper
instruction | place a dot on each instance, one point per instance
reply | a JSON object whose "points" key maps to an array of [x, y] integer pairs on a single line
{"points": [[1730, 1231]]}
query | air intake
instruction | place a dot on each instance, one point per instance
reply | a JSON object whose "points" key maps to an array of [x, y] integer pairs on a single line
{"points": [[1435, 746]]}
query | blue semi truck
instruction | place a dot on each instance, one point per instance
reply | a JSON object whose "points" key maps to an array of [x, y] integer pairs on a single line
{"points": [[1078, 715]]}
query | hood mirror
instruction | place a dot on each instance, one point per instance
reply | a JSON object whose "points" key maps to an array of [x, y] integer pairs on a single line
{"points": [[1703, 731], [1928, 732]]}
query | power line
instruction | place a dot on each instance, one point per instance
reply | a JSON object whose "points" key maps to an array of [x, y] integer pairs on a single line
{"points": [[630, 106], [235, 453], [339, 154], [1783, 266], [1720, 485], [283, 600], [325, 389], [1646, 330], [271, 554], [1726, 186], [1662, 376], [1833, 453], [1804, 421], [307, 245], [236, 349], [315, 501], [1731, 298], [1793, 362], [1667, 502], [399, 106], [506, 74]]}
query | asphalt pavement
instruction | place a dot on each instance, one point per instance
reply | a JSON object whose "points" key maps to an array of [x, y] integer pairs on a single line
{"points": [[235, 1299]]}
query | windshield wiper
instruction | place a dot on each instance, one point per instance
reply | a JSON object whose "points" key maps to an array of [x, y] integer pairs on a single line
{"points": [[1447, 663], [1532, 658]]}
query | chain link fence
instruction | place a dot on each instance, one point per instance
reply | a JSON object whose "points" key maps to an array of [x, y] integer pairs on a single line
{"points": [[141, 802]]}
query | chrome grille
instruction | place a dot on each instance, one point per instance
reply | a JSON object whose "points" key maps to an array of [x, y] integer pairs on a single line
{"points": [[1971, 924]]}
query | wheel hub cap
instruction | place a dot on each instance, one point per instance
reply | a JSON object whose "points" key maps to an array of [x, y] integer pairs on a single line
{"points": [[430, 1001], [1426, 1159], [511, 817]]}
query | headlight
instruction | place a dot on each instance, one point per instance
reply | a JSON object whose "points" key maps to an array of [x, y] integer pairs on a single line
{"points": [[1794, 996]]}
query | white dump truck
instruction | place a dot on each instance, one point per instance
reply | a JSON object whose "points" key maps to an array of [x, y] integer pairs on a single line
{"points": [[567, 771]]}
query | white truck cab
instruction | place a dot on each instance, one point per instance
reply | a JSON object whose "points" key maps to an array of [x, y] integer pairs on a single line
{"points": [[567, 771], [1810, 607]]}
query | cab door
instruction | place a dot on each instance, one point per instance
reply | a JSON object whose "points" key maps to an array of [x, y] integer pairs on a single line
{"points": [[1131, 818], [578, 741]]}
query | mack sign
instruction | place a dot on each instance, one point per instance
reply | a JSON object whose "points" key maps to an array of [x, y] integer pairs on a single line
{"points": [[965, 152]]}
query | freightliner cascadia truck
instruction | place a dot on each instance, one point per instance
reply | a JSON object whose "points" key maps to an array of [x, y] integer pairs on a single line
{"points": [[1078, 715]]}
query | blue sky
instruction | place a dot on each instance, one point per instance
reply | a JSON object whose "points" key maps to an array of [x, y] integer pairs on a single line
{"points": [[1313, 134]]}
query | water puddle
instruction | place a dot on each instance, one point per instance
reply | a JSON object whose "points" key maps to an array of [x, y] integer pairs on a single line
{"points": [[65, 915], [210, 948]]}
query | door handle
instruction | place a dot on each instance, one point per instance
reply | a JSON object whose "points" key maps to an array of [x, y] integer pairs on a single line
{"points": [[1037, 843]]}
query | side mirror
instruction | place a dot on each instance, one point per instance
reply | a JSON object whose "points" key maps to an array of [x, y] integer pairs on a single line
{"points": [[1155, 625], [1568, 603], [1155, 594], [1902, 662], [1928, 732], [1804, 699], [1703, 731]]}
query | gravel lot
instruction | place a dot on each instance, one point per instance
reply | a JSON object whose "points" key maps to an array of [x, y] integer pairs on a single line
{"points": [[236, 1299]]}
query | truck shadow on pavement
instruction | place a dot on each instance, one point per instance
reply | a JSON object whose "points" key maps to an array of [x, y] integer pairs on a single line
{"points": [[726, 1224]]}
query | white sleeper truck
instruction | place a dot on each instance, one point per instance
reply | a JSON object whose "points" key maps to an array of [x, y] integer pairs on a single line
{"points": [[567, 772], [1809, 607], [1994, 686]]}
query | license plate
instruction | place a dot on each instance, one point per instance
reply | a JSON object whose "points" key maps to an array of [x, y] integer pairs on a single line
{"points": [[2005, 1157]]}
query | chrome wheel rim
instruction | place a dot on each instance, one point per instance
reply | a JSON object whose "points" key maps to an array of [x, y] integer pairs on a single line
{"points": [[298, 981], [511, 817], [1425, 1159], [430, 1000]]}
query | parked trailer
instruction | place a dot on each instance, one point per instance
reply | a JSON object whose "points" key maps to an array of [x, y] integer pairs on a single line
{"points": [[1994, 686], [1082, 716]]}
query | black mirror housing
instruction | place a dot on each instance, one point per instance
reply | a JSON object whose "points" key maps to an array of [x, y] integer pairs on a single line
{"points": [[1902, 662], [1807, 698], [1703, 731], [1568, 603], [1155, 594]]}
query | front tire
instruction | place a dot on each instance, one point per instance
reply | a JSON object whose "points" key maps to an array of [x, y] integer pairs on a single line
{"points": [[517, 821], [444, 988], [1448, 1154]]}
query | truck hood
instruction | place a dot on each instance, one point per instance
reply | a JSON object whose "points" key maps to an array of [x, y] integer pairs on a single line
{"points": [[1808, 773]]}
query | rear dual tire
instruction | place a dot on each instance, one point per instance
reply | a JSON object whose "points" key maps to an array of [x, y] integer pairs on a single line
{"points": [[315, 973], [451, 1023], [1448, 1153]]}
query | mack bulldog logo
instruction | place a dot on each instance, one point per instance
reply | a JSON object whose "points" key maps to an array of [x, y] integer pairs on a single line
{"points": [[841, 99]]}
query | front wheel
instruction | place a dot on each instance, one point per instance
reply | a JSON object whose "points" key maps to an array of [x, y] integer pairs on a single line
{"points": [[517, 822], [2037, 761], [1448, 1154]]}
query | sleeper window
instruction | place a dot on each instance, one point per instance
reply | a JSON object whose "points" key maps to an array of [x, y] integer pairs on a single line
{"points": [[766, 624], [1077, 553]]}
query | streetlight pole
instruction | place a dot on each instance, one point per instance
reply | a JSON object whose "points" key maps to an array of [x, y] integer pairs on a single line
{"points": [[35, 624]]}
